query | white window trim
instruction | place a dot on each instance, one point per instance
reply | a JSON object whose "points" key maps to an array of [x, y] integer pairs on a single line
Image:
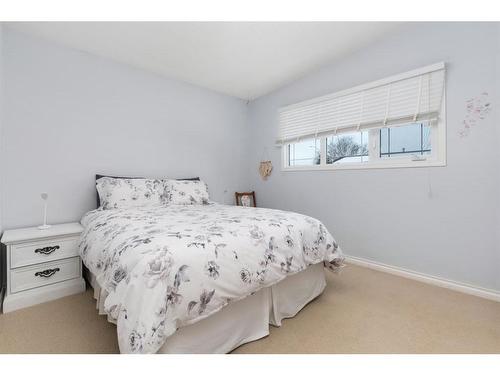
{"points": [[437, 158]]}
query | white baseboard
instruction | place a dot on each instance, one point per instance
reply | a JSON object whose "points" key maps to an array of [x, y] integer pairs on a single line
{"points": [[490, 294]]}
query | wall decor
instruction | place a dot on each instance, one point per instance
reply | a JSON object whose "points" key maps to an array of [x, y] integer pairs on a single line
{"points": [[477, 109], [265, 169], [246, 199]]}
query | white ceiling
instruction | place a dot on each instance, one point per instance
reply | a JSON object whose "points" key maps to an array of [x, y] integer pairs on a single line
{"points": [[241, 59]]}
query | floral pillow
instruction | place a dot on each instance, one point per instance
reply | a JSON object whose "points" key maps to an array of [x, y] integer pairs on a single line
{"points": [[128, 192], [186, 192]]}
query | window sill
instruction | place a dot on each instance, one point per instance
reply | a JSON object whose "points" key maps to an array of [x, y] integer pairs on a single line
{"points": [[385, 165]]}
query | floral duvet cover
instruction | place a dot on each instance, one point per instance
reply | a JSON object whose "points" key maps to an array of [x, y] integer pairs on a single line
{"points": [[170, 266]]}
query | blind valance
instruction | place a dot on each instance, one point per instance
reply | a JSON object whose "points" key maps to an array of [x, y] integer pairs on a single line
{"points": [[407, 97]]}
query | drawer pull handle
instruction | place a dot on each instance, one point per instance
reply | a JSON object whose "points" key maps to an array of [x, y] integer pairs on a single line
{"points": [[47, 250], [47, 273]]}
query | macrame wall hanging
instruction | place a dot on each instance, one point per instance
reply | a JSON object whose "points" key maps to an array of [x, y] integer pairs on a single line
{"points": [[265, 169], [266, 166]]}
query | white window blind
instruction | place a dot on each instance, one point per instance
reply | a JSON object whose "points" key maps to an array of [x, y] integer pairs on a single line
{"points": [[407, 97]]}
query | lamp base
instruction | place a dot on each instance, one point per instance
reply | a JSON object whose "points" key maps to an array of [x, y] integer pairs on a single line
{"points": [[44, 226]]}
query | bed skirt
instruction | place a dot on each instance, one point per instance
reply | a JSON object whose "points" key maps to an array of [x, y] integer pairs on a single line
{"points": [[241, 321]]}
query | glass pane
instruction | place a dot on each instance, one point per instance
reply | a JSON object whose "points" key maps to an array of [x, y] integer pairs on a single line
{"points": [[384, 141], [347, 148], [407, 140], [305, 152]]}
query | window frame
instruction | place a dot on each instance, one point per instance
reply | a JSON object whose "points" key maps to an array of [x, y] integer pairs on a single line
{"points": [[436, 159]]}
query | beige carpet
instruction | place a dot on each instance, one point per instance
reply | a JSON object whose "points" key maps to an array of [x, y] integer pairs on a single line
{"points": [[361, 311]]}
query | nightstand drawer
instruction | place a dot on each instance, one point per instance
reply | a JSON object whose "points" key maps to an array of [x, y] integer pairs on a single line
{"points": [[44, 274], [29, 253]]}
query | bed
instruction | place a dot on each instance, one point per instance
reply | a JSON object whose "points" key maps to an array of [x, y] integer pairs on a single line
{"points": [[202, 278]]}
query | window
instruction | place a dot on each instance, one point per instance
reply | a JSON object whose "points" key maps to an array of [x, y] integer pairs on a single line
{"points": [[412, 139], [304, 153], [395, 122], [347, 148]]}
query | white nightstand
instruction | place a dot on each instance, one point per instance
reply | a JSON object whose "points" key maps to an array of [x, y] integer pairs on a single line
{"points": [[42, 265]]}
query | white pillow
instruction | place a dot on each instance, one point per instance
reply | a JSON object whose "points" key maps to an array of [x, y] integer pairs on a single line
{"points": [[186, 192], [130, 192]]}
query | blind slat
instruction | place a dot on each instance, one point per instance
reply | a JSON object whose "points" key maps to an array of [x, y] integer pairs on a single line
{"points": [[412, 96]]}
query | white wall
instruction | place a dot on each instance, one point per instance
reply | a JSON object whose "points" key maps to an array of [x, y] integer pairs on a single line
{"points": [[69, 115], [1, 118], [388, 215], [2, 252]]}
